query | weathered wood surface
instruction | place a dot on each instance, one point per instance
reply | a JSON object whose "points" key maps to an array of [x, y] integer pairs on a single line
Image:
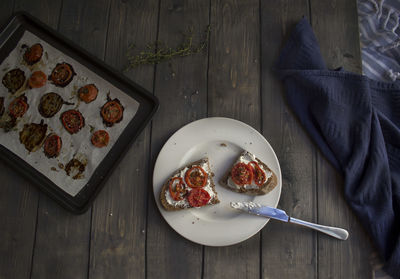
{"points": [[118, 235], [123, 235], [182, 84], [234, 91], [287, 251]]}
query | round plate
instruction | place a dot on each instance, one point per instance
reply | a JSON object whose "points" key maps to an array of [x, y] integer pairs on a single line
{"points": [[221, 140]]}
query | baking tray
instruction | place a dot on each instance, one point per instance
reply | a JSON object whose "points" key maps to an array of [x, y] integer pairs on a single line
{"points": [[10, 35]]}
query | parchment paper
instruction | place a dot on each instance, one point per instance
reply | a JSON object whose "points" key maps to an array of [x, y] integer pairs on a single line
{"points": [[73, 146]]}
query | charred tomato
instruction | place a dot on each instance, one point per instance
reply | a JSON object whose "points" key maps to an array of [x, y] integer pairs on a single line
{"points": [[242, 174], [75, 168], [100, 138], [88, 93], [52, 146], [50, 104], [72, 121], [33, 54], [112, 112], [62, 74], [13, 80], [32, 135], [196, 177], [18, 106], [37, 79], [198, 197], [259, 175], [177, 188]]}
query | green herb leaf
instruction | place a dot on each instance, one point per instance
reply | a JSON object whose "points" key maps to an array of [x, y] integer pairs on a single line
{"points": [[158, 51]]}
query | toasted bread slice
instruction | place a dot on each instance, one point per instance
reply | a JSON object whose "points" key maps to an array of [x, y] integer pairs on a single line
{"points": [[251, 189], [170, 204]]}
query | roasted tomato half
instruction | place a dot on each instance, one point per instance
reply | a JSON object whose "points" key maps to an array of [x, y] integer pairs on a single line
{"points": [[177, 188], [100, 138], [50, 104], [32, 135], [196, 177], [75, 168], [72, 121], [242, 174], [259, 175], [33, 54], [37, 79], [13, 80], [88, 93], [112, 112], [52, 146], [198, 197], [62, 74], [18, 106]]}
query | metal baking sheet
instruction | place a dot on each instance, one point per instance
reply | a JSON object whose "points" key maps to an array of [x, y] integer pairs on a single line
{"points": [[48, 174]]}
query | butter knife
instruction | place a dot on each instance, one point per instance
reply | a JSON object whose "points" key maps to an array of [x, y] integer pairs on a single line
{"points": [[278, 214]]}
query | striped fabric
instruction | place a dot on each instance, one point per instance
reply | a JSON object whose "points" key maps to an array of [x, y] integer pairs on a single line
{"points": [[380, 38]]}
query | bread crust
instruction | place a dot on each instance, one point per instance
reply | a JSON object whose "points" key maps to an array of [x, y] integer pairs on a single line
{"points": [[165, 187], [267, 187]]}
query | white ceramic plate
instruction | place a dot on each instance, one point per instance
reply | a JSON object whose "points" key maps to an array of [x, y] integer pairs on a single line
{"points": [[221, 140]]}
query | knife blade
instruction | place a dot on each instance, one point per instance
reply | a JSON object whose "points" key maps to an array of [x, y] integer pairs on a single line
{"points": [[258, 209], [279, 214]]}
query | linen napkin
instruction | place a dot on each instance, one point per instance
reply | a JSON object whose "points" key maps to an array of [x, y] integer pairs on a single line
{"points": [[379, 22], [355, 121]]}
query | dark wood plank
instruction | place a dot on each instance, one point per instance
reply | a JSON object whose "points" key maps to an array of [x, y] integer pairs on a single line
{"points": [[62, 239], [119, 213], [287, 251], [336, 27], [181, 87], [18, 208], [234, 91], [18, 197], [6, 10]]}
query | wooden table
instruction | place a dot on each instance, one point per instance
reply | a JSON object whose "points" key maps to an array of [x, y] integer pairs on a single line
{"points": [[123, 234]]}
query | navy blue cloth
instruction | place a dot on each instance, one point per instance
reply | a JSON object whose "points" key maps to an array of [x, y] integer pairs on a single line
{"points": [[355, 121]]}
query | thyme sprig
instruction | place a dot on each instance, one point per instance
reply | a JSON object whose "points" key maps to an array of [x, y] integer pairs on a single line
{"points": [[157, 52]]}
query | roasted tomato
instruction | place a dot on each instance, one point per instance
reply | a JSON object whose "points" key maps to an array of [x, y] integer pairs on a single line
{"points": [[18, 107], [32, 135], [52, 146], [259, 176], [62, 74], [33, 54], [198, 197], [8, 124], [196, 177], [50, 104], [75, 168], [112, 112], [13, 80], [1, 106], [242, 174], [177, 188], [100, 138], [72, 121], [88, 93], [37, 79]]}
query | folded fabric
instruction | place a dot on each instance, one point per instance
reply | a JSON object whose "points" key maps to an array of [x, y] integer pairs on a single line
{"points": [[355, 121], [380, 38]]}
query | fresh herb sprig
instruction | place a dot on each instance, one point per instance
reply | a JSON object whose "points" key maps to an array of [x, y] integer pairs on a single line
{"points": [[157, 52]]}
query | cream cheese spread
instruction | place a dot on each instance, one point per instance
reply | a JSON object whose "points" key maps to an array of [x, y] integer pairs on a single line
{"points": [[184, 202]]}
